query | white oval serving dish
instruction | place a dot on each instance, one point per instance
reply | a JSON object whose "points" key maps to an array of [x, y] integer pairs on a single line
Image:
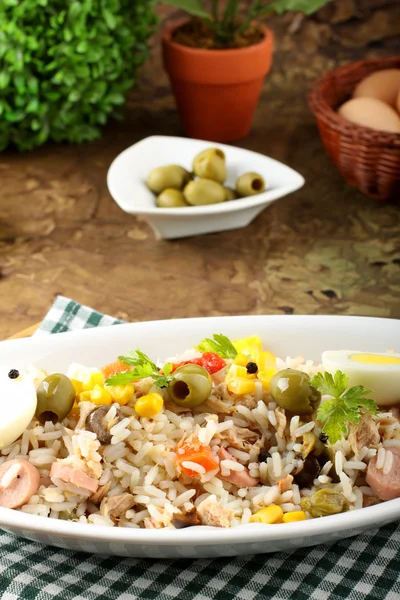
{"points": [[284, 335], [126, 180]]}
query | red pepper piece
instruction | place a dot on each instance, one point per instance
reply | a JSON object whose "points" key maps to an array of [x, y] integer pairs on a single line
{"points": [[210, 361]]}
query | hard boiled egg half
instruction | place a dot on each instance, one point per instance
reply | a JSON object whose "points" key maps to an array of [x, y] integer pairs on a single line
{"points": [[18, 403], [377, 372]]}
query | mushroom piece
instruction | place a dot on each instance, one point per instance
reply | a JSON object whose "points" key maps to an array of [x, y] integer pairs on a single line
{"points": [[188, 519], [95, 423]]}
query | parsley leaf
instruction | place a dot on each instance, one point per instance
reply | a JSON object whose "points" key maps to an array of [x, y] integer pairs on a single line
{"points": [[143, 367], [167, 368], [163, 379], [332, 385], [344, 406], [221, 345], [137, 358]]}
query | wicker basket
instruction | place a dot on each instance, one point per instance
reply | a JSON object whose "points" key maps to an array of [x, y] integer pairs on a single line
{"points": [[368, 159]]}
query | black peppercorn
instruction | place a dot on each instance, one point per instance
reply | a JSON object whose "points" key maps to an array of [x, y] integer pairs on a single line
{"points": [[251, 368], [13, 374], [323, 438]]}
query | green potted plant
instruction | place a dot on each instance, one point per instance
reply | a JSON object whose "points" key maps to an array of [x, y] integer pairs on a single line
{"points": [[66, 67], [217, 61]]}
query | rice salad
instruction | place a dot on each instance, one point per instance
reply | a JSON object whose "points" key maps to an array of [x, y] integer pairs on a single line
{"points": [[223, 435]]}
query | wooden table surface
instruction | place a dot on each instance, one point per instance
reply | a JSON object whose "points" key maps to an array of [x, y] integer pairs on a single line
{"points": [[325, 249]]}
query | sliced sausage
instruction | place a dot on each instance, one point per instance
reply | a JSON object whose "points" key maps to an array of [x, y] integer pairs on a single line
{"points": [[77, 477], [239, 478], [19, 480], [385, 486]]}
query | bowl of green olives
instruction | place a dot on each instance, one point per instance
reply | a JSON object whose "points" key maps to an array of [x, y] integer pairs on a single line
{"points": [[184, 187]]}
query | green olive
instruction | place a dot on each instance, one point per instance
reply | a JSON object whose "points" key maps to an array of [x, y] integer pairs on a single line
{"points": [[250, 184], [210, 164], [291, 389], [171, 198], [171, 176], [190, 386], [230, 194], [204, 191], [325, 502], [55, 398]]}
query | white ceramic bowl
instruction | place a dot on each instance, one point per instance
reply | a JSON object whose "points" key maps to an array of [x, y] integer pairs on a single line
{"points": [[284, 335], [127, 175]]}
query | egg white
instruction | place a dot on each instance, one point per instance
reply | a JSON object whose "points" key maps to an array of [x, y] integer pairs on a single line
{"points": [[382, 379], [18, 403]]}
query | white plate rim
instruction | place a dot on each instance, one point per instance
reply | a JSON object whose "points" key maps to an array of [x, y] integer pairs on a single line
{"points": [[365, 518]]}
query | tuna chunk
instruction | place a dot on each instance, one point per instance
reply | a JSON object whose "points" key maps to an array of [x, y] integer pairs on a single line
{"points": [[366, 433], [211, 513], [241, 438], [240, 478], [116, 506], [150, 523], [72, 475]]}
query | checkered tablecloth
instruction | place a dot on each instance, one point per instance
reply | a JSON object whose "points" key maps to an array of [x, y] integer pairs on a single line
{"points": [[363, 568]]}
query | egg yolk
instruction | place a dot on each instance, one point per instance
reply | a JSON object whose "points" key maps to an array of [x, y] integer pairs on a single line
{"points": [[375, 359]]}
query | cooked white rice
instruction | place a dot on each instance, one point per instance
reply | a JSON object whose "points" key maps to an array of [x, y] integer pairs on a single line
{"points": [[141, 461]]}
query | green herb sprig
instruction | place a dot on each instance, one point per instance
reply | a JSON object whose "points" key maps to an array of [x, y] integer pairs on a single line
{"points": [[345, 405], [223, 17], [220, 344], [143, 367]]}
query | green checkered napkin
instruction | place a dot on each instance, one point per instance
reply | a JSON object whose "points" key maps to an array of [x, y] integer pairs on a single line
{"points": [[361, 568]]}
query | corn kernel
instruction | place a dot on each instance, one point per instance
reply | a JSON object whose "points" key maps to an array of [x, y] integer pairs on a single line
{"points": [[266, 361], [121, 393], [241, 360], [77, 385], [271, 514], [149, 405], [242, 386], [265, 377], [292, 517], [98, 395], [90, 380], [84, 397], [251, 346]]}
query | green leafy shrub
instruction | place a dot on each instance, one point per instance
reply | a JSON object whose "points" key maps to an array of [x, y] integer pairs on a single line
{"points": [[67, 65]]}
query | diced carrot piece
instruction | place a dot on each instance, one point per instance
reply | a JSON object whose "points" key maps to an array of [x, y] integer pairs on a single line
{"points": [[113, 368], [200, 455]]}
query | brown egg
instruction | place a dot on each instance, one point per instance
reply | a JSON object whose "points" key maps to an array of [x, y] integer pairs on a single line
{"points": [[382, 85], [372, 113]]}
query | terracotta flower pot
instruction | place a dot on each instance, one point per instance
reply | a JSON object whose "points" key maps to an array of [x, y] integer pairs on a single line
{"points": [[216, 91]]}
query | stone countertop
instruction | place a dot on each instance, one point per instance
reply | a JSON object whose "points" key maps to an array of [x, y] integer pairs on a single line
{"points": [[326, 249]]}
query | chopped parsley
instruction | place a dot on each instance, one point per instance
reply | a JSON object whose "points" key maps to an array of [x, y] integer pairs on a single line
{"points": [[344, 406]]}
